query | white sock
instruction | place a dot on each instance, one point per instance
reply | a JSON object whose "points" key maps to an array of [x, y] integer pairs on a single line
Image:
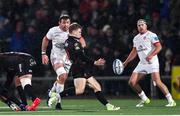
{"points": [[169, 97], [52, 89], [59, 88], [143, 96]]}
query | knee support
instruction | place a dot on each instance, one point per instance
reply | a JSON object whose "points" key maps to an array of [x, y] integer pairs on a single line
{"points": [[25, 81], [60, 71]]}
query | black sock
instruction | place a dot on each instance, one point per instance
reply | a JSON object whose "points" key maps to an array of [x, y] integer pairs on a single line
{"points": [[10, 98], [15, 100], [101, 98], [68, 92], [6, 101], [28, 90], [22, 94]]}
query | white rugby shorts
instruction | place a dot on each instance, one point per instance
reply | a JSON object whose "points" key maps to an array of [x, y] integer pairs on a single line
{"points": [[60, 57], [146, 68]]}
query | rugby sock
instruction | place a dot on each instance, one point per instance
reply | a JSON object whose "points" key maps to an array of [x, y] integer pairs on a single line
{"points": [[143, 96], [15, 100], [59, 88], [22, 94], [68, 92], [53, 89], [28, 89], [11, 98], [99, 95], [169, 97]]}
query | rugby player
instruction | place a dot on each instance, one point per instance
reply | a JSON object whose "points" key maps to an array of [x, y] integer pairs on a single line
{"points": [[81, 68], [20, 64], [59, 60], [146, 45]]}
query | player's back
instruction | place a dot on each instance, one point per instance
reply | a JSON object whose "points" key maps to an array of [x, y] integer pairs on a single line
{"points": [[13, 58]]}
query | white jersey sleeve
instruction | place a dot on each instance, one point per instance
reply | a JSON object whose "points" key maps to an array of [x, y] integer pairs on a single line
{"points": [[154, 38], [49, 34]]}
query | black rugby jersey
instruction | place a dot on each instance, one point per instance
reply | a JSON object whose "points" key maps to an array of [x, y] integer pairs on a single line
{"points": [[76, 52], [10, 59]]}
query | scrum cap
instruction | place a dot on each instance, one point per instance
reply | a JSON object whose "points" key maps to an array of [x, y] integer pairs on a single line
{"points": [[64, 16], [141, 21]]}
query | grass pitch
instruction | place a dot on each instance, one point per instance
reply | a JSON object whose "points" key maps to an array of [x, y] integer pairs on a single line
{"points": [[93, 107]]}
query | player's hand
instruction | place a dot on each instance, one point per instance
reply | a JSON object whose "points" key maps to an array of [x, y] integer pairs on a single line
{"points": [[148, 58], [100, 62], [45, 59], [125, 64]]}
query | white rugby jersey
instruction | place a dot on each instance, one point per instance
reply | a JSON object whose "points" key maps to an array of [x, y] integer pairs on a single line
{"points": [[58, 38], [144, 44]]}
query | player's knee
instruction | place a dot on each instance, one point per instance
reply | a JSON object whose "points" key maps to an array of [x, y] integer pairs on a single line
{"points": [[132, 83], [60, 71], [62, 78], [61, 75]]}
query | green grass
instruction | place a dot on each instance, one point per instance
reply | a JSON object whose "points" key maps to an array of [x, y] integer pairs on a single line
{"points": [[93, 107]]}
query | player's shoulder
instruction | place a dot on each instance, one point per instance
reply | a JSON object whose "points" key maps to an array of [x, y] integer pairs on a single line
{"points": [[136, 37], [55, 28], [152, 34]]}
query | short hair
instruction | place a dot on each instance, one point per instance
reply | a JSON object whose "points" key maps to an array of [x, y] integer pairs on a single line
{"points": [[64, 16], [74, 26]]}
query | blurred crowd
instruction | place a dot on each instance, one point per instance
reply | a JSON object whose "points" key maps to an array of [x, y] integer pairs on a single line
{"points": [[108, 28]]}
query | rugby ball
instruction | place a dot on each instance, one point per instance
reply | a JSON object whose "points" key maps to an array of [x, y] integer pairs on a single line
{"points": [[118, 67]]}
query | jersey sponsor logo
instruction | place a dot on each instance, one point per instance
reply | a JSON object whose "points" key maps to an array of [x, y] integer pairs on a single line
{"points": [[59, 45], [156, 38], [140, 48], [32, 62], [76, 45]]}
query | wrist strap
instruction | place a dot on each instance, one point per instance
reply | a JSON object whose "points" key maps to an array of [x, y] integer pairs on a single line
{"points": [[43, 53]]}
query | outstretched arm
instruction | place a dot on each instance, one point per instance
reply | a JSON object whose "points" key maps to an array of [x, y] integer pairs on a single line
{"points": [[131, 56]]}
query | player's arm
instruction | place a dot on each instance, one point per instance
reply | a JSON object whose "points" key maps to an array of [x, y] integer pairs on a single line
{"points": [[44, 46], [157, 49], [131, 56], [83, 42]]}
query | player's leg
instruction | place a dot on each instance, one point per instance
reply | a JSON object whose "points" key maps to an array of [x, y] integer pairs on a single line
{"points": [[9, 80], [79, 87], [58, 86], [133, 82], [156, 77], [6, 98], [20, 90], [26, 84], [93, 83]]}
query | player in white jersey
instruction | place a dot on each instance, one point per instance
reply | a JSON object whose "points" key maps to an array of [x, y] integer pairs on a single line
{"points": [[58, 57], [146, 45]]}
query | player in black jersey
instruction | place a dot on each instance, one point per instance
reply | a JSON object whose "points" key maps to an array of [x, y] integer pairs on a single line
{"points": [[81, 68], [20, 65]]}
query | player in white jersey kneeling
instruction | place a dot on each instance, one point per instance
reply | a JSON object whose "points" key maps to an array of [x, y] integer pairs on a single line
{"points": [[146, 45]]}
